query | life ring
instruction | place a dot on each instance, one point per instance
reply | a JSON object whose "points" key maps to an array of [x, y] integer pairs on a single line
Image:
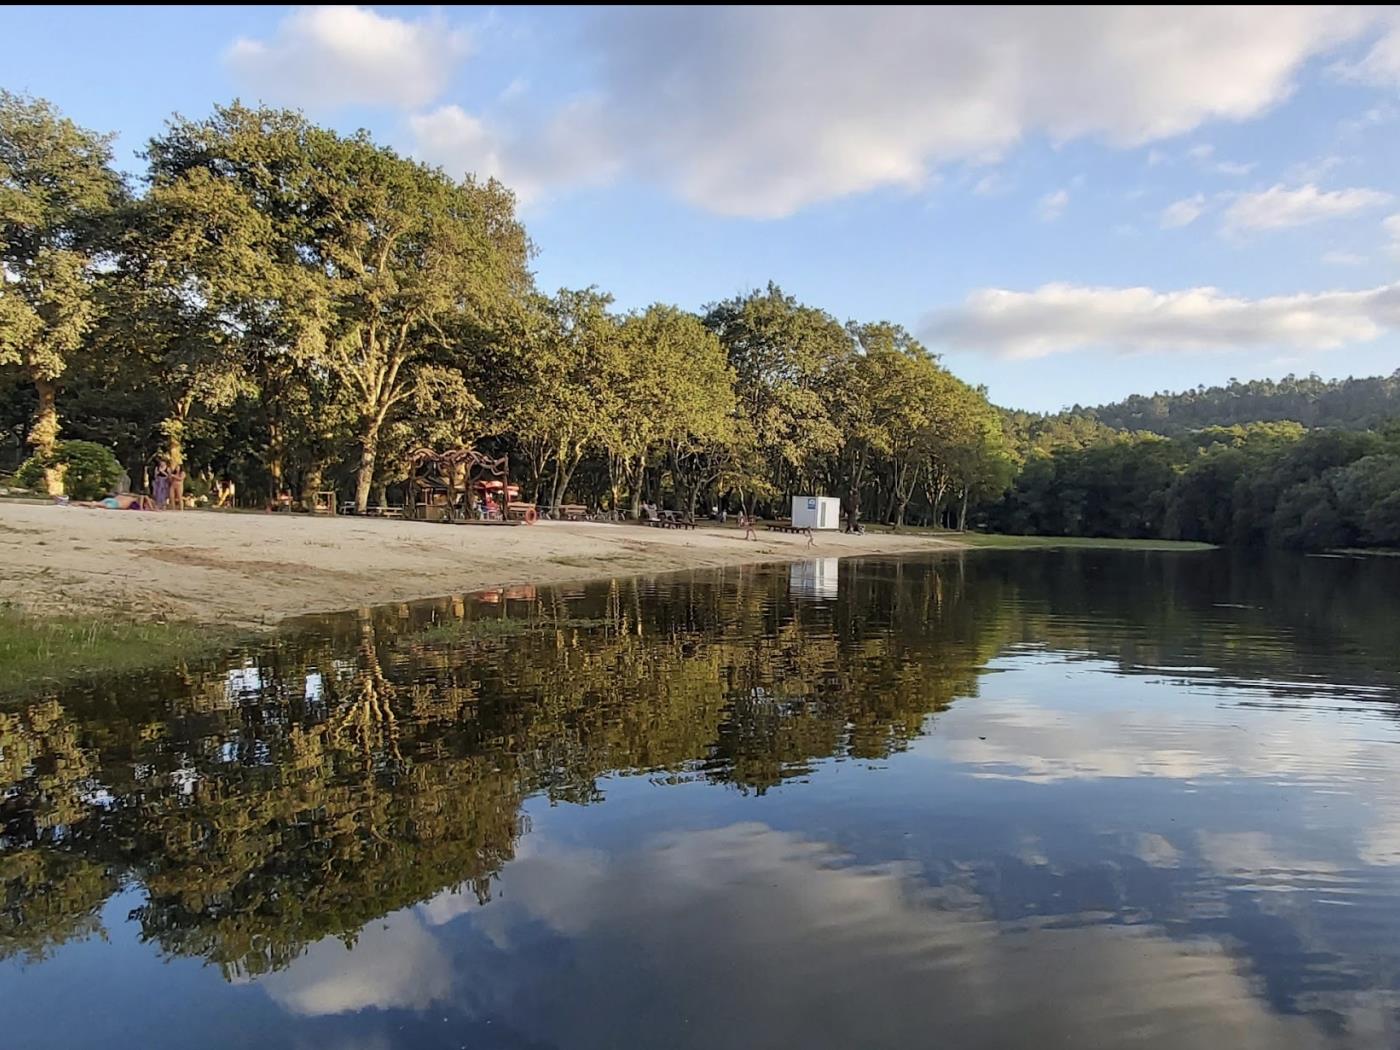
{"points": [[530, 515]]}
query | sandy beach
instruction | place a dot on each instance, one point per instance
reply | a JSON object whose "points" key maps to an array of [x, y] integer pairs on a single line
{"points": [[257, 569]]}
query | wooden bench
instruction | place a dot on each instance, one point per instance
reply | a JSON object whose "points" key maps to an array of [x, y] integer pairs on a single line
{"points": [[572, 511], [526, 512], [348, 507], [669, 522], [779, 526]]}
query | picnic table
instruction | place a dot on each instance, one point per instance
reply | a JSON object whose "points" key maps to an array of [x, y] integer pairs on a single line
{"points": [[669, 519], [526, 512], [372, 511], [571, 512]]}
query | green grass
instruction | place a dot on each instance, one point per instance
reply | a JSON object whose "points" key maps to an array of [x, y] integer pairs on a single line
{"points": [[991, 539], [505, 627], [40, 650], [1008, 542]]}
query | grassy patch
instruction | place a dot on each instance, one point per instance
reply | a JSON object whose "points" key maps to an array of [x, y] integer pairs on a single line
{"points": [[504, 627], [35, 650], [990, 539]]}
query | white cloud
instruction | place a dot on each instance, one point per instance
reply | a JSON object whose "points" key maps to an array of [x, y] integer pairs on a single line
{"points": [[1183, 212], [344, 55], [566, 152], [1057, 318], [910, 957], [1381, 114], [395, 962], [1203, 154], [1052, 205], [1343, 259], [759, 111], [1390, 225], [1279, 207], [992, 185], [1381, 63], [1315, 169]]}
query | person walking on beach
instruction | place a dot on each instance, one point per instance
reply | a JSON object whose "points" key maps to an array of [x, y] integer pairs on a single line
{"points": [[746, 523], [177, 488], [160, 485]]}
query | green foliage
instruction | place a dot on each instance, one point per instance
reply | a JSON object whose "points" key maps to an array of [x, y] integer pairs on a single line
{"points": [[1350, 404], [1258, 483], [295, 309], [56, 189], [89, 470]]}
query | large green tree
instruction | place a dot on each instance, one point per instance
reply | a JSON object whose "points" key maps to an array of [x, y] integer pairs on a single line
{"points": [[57, 188], [568, 393], [786, 358], [676, 396], [274, 253], [416, 266]]}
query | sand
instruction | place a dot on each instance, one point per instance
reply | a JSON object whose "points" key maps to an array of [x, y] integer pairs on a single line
{"points": [[253, 570]]}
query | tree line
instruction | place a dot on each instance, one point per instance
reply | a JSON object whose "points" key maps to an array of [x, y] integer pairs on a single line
{"points": [[1349, 404], [291, 309], [1276, 484], [294, 309]]}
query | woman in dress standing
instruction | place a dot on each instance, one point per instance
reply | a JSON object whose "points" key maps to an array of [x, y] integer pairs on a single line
{"points": [[160, 485]]}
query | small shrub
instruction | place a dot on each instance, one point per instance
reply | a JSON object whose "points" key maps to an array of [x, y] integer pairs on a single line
{"points": [[195, 487], [91, 471], [31, 473]]}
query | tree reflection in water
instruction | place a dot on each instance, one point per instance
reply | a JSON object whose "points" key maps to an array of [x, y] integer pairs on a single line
{"points": [[363, 763]]}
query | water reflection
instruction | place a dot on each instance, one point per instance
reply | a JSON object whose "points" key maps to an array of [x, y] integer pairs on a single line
{"points": [[1162, 811]]}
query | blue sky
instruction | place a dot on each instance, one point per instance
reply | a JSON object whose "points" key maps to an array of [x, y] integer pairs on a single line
{"points": [[1068, 205]]}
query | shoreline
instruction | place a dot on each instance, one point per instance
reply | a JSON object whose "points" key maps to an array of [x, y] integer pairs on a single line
{"points": [[255, 571]]}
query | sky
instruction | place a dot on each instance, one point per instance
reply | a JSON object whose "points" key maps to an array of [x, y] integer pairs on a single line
{"points": [[1068, 205]]}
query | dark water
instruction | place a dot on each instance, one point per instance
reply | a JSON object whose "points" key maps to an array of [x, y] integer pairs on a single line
{"points": [[1001, 800]]}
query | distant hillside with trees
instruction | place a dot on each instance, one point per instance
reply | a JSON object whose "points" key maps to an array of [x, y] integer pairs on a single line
{"points": [[1348, 404]]}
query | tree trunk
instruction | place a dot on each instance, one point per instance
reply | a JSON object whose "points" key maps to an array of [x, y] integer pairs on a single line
{"points": [[639, 478], [369, 452], [562, 476], [556, 491], [899, 513], [43, 435], [311, 483], [962, 513], [275, 468]]}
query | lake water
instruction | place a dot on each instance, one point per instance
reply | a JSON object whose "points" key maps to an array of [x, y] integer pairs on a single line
{"points": [[1002, 799]]}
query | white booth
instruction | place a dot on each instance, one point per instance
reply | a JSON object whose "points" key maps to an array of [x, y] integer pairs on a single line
{"points": [[816, 512]]}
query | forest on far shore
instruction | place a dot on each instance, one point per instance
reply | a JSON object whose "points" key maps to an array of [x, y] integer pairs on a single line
{"points": [[288, 309]]}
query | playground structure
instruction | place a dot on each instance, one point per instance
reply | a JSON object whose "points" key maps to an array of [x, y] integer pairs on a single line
{"points": [[462, 485]]}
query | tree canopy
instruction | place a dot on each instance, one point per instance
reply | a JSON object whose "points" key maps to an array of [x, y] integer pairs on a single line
{"points": [[296, 310]]}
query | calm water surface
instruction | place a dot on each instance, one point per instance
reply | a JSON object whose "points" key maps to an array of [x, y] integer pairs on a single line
{"points": [[1007, 799]]}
